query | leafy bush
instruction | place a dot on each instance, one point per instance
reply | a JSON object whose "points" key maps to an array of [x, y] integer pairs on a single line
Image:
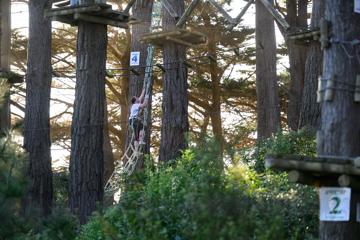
{"points": [[196, 199]]}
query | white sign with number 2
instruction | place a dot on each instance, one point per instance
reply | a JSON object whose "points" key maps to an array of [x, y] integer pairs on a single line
{"points": [[335, 204]]}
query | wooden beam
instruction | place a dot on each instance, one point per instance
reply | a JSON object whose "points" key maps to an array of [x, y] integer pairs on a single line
{"points": [[180, 41], [275, 14], [187, 13], [295, 176], [320, 165], [170, 9], [129, 6], [159, 35], [100, 20], [63, 19], [222, 11], [63, 4], [237, 20], [70, 11]]}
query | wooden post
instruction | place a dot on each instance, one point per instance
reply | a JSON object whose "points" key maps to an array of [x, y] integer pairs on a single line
{"points": [[5, 39], [275, 14], [237, 20], [221, 10], [340, 117], [187, 13]]}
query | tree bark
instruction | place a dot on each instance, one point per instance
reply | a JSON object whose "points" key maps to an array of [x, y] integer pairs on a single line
{"points": [[215, 113], [297, 18], [175, 123], [339, 135], [310, 109], [86, 160], [37, 124], [268, 119], [142, 11], [109, 163], [5, 32]]}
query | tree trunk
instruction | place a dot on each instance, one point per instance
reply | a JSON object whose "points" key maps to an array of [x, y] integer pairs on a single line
{"points": [[268, 119], [215, 113], [339, 135], [310, 109], [5, 32], [175, 123], [37, 124], [86, 160], [297, 18], [142, 11], [109, 163]]}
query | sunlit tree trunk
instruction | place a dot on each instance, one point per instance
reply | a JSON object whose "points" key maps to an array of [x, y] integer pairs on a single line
{"points": [[268, 119], [175, 123]]}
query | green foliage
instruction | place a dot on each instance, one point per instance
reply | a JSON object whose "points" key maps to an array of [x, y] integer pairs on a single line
{"points": [[196, 199], [301, 143], [11, 189]]}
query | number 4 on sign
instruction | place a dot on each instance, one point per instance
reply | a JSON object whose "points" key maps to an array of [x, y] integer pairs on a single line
{"points": [[135, 59]]}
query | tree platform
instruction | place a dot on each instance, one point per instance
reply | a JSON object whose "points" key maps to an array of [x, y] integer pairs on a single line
{"points": [[96, 13], [11, 77], [305, 36], [184, 37], [318, 171]]}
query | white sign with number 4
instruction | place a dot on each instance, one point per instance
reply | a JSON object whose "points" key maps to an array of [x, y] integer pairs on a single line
{"points": [[135, 59], [357, 6], [335, 204]]}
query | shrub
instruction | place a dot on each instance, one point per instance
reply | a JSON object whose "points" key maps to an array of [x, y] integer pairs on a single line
{"points": [[197, 199]]}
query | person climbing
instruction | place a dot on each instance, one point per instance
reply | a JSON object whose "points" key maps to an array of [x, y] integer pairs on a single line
{"points": [[138, 103]]}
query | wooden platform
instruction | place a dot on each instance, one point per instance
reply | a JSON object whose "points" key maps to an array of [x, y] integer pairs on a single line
{"points": [[305, 36], [11, 77], [184, 37], [319, 171], [95, 13]]}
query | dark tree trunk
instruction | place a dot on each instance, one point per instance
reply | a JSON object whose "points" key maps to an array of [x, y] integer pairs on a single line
{"points": [[310, 109], [339, 135], [268, 111], [5, 33], [142, 11], [37, 124], [297, 18], [175, 123], [109, 163], [86, 160]]}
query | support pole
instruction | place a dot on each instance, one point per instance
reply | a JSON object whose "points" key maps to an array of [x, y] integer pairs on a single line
{"points": [[5, 23], [187, 13], [237, 20], [275, 14]]}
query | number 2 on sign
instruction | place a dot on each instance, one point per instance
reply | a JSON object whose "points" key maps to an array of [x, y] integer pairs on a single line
{"points": [[335, 201]]}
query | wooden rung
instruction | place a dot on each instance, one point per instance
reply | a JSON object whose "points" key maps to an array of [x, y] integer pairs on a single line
{"points": [[100, 20]]}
